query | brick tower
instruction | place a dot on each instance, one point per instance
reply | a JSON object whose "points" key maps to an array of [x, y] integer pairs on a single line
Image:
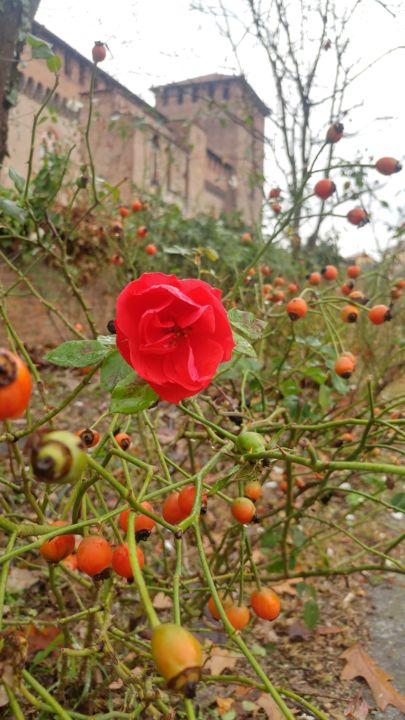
{"points": [[232, 116]]}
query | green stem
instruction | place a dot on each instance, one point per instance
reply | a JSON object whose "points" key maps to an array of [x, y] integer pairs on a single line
{"points": [[234, 636], [44, 694], [138, 577]]}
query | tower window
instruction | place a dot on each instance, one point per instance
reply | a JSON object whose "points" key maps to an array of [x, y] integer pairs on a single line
{"points": [[180, 96], [194, 93], [68, 64], [225, 92], [211, 90]]}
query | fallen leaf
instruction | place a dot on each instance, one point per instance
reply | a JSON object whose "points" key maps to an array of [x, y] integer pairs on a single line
{"points": [[330, 630], [270, 708], [287, 587], [20, 579], [357, 708], [116, 684], [161, 601], [297, 632], [224, 704], [360, 664], [40, 637], [219, 660]]}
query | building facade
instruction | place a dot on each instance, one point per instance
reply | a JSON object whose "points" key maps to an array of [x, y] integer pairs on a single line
{"points": [[201, 146]]}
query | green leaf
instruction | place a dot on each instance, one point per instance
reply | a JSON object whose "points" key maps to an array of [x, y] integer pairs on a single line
{"points": [[243, 346], [42, 52], [132, 395], [297, 536], [398, 501], [35, 41], [316, 374], [107, 340], [247, 704], [292, 405], [77, 353], [113, 370], [11, 209], [210, 253], [271, 538], [311, 613], [54, 63], [324, 397], [17, 179], [339, 384], [246, 323], [177, 250], [289, 387]]}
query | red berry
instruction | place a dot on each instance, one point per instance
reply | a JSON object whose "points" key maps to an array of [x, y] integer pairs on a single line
{"points": [[121, 563], [186, 500], [353, 271], [171, 510], [324, 188], [94, 555], [123, 440], [388, 166], [314, 278], [344, 366], [238, 616], [15, 385], [334, 133], [276, 207], [297, 308], [98, 52], [358, 216], [142, 522], [151, 249], [142, 231], [274, 193], [379, 314], [265, 604], [349, 314], [253, 490], [243, 510], [136, 205], [58, 547], [329, 272]]}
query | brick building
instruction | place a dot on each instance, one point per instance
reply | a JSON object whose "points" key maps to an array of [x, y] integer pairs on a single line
{"points": [[201, 146]]}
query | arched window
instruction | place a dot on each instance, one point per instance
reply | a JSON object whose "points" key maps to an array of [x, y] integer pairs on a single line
{"points": [[29, 87], [39, 92]]}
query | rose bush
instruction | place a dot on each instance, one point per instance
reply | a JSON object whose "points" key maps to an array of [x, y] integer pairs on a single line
{"points": [[173, 332]]}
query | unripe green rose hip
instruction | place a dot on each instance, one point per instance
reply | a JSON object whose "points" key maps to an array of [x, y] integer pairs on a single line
{"points": [[58, 457], [250, 442]]}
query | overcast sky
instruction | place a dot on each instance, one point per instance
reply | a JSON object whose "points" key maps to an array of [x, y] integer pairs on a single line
{"points": [[155, 41]]}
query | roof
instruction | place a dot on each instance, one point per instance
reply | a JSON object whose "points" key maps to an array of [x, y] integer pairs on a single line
{"points": [[218, 78], [46, 34]]}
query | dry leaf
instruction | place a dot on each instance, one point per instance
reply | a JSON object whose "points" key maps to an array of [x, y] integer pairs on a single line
{"points": [[360, 664], [161, 601], [357, 708], [116, 684], [40, 637], [270, 708], [330, 630], [287, 587], [224, 704], [297, 632], [219, 660], [20, 579]]}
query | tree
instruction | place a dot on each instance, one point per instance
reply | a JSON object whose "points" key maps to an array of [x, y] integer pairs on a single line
{"points": [[16, 17], [306, 48]]}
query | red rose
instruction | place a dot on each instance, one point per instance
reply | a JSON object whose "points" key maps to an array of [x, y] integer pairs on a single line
{"points": [[173, 332]]}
